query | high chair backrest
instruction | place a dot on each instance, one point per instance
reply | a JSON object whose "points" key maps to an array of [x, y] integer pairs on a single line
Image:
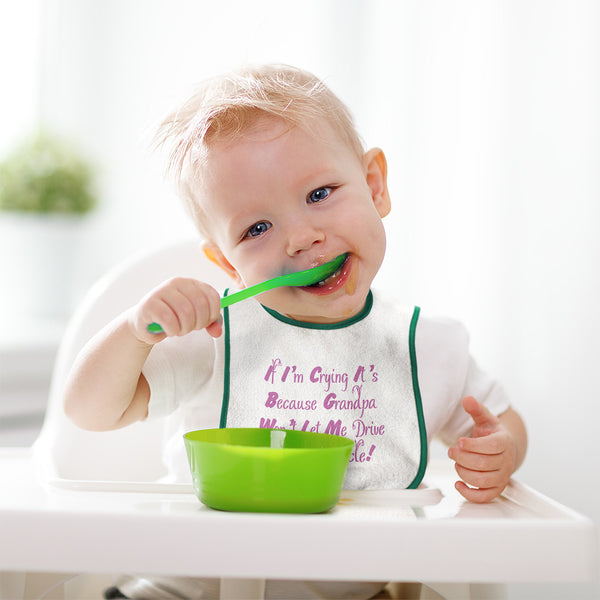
{"points": [[134, 453]]}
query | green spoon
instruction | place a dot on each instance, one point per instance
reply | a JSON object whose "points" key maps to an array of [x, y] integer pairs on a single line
{"points": [[298, 279]]}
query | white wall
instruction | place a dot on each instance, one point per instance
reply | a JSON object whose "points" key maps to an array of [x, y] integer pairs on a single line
{"points": [[488, 114], [20, 46]]}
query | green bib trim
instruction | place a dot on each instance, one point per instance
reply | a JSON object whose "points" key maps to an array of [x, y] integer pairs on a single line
{"points": [[227, 360], [366, 309], [418, 402]]}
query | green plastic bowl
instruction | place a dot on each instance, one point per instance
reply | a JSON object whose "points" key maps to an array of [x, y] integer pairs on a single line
{"points": [[267, 470]]}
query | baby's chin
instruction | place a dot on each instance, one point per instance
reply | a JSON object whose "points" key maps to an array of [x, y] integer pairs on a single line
{"points": [[336, 313]]}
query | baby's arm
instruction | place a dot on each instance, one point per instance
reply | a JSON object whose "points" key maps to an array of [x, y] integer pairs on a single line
{"points": [[491, 454], [106, 388]]}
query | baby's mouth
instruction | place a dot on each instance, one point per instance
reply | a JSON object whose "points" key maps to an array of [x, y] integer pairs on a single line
{"points": [[331, 279]]}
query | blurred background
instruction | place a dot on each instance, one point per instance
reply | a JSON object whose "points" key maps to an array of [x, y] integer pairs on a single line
{"points": [[488, 114]]}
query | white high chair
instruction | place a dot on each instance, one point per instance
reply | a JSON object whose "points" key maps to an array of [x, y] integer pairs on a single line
{"points": [[130, 460], [133, 454]]}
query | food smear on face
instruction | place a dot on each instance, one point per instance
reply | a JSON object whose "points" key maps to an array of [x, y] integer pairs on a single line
{"points": [[350, 286]]}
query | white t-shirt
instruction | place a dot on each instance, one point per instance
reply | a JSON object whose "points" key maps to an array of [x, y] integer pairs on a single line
{"points": [[186, 378]]}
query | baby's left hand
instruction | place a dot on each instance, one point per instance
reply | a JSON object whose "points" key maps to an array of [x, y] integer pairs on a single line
{"points": [[485, 460]]}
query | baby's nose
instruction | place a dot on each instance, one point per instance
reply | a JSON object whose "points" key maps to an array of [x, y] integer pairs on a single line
{"points": [[302, 236]]}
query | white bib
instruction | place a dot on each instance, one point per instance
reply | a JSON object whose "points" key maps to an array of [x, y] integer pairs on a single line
{"points": [[357, 378]]}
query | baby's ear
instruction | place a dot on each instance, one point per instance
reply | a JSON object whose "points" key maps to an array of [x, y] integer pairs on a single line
{"points": [[375, 166], [214, 254]]}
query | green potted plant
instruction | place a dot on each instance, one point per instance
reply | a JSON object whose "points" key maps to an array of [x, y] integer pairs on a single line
{"points": [[45, 175], [46, 190]]}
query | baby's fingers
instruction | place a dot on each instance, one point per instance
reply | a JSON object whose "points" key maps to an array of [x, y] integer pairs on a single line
{"points": [[481, 479], [494, 443], [478, 496], [193, 304], [179, 306], [475, 461], [484, 476], [173, 312]]}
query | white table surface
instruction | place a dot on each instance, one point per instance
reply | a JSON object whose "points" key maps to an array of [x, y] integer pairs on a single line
{"points": [[400, 535]]}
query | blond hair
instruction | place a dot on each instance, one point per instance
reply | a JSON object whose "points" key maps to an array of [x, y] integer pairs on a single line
{"points": [[225, 106]]}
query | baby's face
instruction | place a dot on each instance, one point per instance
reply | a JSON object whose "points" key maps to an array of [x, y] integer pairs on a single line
{"points": [[281, 200]]}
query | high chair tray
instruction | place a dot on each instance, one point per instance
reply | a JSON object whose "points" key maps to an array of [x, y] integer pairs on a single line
{"points": [[368, 536]]}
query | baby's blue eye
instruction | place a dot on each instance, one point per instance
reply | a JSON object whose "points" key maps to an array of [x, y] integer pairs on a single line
{"points": [[258, 229], [319, 194]]}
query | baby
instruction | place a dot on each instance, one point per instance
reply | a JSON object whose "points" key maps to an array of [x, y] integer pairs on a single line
{"points": [[277, 180]]}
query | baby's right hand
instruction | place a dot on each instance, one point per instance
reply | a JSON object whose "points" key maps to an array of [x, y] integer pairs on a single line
{"points": [[179, 305]]}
